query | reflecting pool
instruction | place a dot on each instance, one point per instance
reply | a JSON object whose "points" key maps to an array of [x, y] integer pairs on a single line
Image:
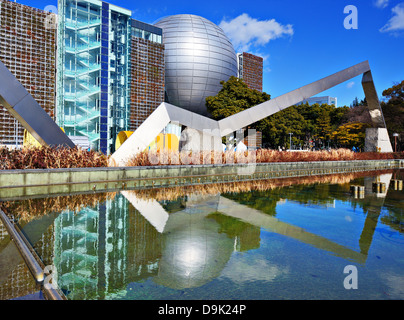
{"points": [[269, 239]]}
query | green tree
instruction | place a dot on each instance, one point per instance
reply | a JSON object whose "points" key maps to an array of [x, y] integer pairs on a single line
{"points": [[350, 135], [324, 129], [234, 97], [396, 92], [278, 126], [393, 111]]}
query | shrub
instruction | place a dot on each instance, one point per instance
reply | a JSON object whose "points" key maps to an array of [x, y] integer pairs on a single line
{"points": [[50, 158]]}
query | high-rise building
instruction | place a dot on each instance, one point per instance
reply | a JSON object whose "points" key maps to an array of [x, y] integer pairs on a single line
{"points": [[110, 71], [250, 69], [320, 100], [93, 81], [28, 50], [147, 72]]}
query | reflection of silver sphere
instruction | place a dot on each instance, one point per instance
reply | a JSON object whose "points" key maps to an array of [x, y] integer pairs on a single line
{"points": [[194, 251], [198, 55]]}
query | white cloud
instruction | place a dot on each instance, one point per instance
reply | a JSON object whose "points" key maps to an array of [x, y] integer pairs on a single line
{"points": [[396, 23], [245, 269], [381, 3], [246, 32], [349, 85]]}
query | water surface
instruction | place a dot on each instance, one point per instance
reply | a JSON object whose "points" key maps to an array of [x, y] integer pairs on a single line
{"points": [[267, 240]]}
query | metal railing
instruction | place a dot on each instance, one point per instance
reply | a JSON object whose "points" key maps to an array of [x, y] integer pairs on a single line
{"points": [[31, 259]]}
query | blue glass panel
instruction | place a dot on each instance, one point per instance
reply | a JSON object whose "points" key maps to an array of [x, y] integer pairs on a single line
{"points": [[104, 51], [104, 36], [103, 145], [104, 104], [103, 128], [104, 112], [104, 65], [104, 135], [104, 73], [105, 28], [105, 5], [104, 96], [104, 43]]}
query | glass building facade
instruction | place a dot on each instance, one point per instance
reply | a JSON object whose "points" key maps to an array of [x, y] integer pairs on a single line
{"points": [[93, 72], [320, 100]]}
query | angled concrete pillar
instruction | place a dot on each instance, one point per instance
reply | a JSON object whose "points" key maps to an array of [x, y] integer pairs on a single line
{"points": [[22, 106], [377, 139], [166, 113]]}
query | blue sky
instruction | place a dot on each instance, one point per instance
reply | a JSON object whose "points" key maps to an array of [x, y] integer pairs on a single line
{"points": [[301, 41]]}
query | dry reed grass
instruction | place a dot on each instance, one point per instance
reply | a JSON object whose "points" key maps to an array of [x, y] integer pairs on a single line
{"points": [[156, 158], [173, 193], [50, 158], [30, 209]]}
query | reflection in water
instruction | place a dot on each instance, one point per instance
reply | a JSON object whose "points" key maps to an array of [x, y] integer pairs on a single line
{"points": [[185, 239]]}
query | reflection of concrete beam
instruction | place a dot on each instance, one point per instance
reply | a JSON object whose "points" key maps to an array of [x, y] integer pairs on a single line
{"points": [[259, 219], [158, 217], [150, 209], [368, 181], [386, 179], [22, 106], [375, 202], [165, 113]]}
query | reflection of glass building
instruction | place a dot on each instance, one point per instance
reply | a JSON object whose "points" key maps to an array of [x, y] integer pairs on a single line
{"points": [[98, 250], [90, 250], [93, 70]]}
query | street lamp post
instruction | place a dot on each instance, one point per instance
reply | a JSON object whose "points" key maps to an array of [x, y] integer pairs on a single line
{"points": [[395, 135], [290, 140]]}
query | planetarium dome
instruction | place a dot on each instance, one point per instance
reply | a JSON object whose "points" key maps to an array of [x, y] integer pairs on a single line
{"points": [[198, 55]]}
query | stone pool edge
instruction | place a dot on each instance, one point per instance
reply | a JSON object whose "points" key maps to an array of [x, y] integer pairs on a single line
{"points": [[31, 182]]}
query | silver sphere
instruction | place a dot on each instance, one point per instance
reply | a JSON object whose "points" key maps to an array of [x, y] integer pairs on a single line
{"points": [[198, 55]]}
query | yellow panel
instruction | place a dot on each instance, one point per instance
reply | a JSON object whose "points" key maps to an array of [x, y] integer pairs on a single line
{"points": [[164, 142], [30, 141], [121, 138], [160, 142], [171, 142]]}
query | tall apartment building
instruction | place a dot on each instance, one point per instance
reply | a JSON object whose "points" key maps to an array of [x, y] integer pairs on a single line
{"points": [[28, 50], [250, 69], [147, 72]]}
